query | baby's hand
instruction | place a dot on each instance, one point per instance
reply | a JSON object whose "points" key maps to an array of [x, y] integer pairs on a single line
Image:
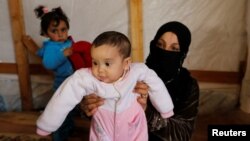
{"points": [[42, 132], [68, 52]]}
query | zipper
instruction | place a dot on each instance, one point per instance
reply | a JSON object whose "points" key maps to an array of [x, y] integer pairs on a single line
{"points": [[116, 102]]}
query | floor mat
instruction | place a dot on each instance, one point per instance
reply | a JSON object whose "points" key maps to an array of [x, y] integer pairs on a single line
{"points": [[22, 137]]}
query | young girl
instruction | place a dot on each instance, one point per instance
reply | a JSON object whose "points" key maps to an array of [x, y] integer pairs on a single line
{"points": [[112, 77], [61, 55], [59, 46]]}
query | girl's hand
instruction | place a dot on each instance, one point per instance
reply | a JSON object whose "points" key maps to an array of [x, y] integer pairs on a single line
{"points": [[142, 89], [67, 52], [90, 104]]}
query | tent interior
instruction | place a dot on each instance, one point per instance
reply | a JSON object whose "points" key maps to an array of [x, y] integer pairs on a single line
{"points": [[219, 54]]}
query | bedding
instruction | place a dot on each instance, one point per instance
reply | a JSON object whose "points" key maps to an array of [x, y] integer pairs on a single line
{"points": [[10, 93]]}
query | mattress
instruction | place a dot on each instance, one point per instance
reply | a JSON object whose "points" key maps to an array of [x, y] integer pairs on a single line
{"points": [[10, 93]]}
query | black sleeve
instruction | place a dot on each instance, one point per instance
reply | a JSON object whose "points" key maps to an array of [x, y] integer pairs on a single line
{"points": [[180, 126]]}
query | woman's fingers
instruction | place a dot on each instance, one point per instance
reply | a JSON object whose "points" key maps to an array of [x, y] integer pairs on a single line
{"points": [[142, 101], [90, 112], [141, 88], [90, 104], [89, 99], [141, 85]]}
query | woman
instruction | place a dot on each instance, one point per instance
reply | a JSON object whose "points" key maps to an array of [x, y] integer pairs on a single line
{"points": [[168, 50]]}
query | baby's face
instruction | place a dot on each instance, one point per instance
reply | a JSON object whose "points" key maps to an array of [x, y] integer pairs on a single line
{"points": [[108, 65]]}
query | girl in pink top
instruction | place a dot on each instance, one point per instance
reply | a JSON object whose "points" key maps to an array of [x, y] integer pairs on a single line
{"points": [[112, 77]]}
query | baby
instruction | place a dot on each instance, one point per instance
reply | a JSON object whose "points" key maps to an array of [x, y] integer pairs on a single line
{"points": [[112, 77]]}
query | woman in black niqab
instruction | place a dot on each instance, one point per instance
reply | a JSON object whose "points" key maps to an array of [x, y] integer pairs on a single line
{"points": [[182, 87]]}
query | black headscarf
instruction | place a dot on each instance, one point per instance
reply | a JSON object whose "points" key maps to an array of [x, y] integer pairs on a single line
{"points": [[182, 32], [168, 64]]}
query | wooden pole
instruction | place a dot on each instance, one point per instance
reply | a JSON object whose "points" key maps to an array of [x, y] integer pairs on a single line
{"points": [[18, 30], [136, 33], [245, 86]]}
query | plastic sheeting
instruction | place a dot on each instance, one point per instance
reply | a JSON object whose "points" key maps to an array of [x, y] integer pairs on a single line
{"points": [[7, 50], [219, 36], [217, 26], [10, 96]]}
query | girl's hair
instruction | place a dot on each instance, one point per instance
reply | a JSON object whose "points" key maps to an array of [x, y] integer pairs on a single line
{"points": [[55, 15], [115, 39]]}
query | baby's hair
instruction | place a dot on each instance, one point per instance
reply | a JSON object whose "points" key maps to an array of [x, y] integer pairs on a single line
{"points": [[55, 15], [115, 39]]}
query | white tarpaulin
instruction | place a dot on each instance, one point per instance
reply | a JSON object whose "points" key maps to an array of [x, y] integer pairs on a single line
{"points": [[219, 35]]}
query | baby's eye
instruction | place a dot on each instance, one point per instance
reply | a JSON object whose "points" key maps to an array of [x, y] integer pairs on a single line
{"points": [[94, 63], [107, 64]]}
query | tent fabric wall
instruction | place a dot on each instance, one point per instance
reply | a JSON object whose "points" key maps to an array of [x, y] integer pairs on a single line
{"points": [[219, 39], [217, 26], [7, 53]]}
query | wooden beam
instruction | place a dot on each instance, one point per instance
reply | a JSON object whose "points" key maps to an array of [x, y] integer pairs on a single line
{"points": [[136, 32], [35, 69], [30, 44], [226, 77], [17, 26], [38, 69], [217, 76], [8, 68]]}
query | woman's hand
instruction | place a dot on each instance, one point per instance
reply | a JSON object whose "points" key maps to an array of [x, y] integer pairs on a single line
{"points": [[90, 104], [142, 89]]}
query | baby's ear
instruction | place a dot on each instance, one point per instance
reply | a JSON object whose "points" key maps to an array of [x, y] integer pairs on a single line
{"points": [[127, 61]]}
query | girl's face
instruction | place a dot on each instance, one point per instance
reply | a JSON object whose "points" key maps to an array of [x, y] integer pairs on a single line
{"points": [[57, 33], [169, 42], [107, 63]]}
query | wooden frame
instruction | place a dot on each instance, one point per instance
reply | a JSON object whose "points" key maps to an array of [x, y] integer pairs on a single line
{"points": [[136, 30], [22, 63], [23, 69]]}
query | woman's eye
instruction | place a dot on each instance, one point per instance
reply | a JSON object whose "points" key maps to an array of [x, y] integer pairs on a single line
{"points": [[94, 63], [176, 49], [160, 45]]}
